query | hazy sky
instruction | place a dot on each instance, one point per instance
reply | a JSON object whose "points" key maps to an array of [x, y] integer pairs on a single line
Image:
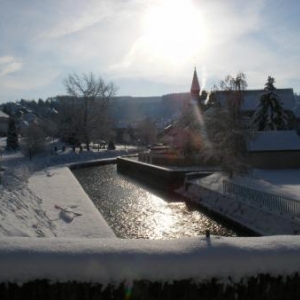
{"points": [[146, 47]]}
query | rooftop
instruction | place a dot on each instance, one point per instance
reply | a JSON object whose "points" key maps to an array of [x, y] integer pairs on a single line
{"points": [[251, 98], [3, 115]]}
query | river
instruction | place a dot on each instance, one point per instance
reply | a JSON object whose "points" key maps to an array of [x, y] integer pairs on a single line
{"points": [[134, 210]]}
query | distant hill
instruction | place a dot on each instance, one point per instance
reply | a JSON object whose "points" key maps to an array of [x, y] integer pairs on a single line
{"points": [[130, 109], [123, 109]]}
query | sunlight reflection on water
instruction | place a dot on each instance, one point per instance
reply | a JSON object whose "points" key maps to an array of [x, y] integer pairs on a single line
{"points": [[135, 211]]}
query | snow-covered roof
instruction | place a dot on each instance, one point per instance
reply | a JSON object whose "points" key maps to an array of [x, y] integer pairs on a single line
{"points": [[251, 98], [3, 115], [278, 140]]}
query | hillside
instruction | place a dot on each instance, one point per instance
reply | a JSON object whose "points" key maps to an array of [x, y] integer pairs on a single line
{"points": [[130, 109]]}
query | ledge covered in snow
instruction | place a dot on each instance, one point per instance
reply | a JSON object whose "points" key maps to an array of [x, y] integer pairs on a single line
{"points": [[115, 260]]}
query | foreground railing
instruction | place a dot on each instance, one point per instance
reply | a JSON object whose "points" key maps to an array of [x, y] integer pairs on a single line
{"points": [[261, 199]]}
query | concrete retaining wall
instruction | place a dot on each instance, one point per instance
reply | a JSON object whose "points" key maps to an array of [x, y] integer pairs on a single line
{"points": [[157, 176]]}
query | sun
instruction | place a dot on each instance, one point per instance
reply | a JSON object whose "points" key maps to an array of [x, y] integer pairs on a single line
{"points": [[174, 31]]}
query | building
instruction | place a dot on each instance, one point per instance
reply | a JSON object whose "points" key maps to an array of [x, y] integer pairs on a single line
{"points": [[195, 87], [275, 149], [267, 149], [271, 149], [296, 112], [251, 100], [177, 135]]}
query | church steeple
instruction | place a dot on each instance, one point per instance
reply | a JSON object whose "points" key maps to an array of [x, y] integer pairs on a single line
{"points": [[195, 87]]}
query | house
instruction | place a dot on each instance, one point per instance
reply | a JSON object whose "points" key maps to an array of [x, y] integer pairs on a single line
{"points": [[267, 149], [296, 112], [275, 149], [251, 100], [3, 123]]}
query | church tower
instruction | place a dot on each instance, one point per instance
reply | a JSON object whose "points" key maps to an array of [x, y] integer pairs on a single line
{"points": [[195, 87]]}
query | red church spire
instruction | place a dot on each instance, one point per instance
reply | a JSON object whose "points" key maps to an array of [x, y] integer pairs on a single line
{"points": [[195, 87]]}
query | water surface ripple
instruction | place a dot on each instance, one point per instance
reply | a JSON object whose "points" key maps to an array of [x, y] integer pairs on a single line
{"points": [[137, 211]]}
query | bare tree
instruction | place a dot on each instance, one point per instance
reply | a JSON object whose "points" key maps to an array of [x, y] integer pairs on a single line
{"points": [[188, 131], [227, 135], [234, 86], [147, 131], [94, 95], [34, 140], [226, 143]]}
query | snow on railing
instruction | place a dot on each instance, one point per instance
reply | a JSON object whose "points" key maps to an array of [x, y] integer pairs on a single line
{"points": [[261, 199]]}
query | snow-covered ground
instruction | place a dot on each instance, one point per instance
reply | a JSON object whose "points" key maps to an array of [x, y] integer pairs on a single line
{"points": [[208, 191], [283, 182], [41, 198], [67, 206]]}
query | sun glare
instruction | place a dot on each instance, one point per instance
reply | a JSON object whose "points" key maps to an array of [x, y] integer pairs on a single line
{"points": [[175, 31]]}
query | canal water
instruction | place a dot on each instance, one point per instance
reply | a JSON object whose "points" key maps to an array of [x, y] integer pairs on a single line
{"points": [[134, 210]]}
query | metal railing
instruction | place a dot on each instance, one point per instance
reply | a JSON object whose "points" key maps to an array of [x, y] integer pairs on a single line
{"points": [[271, 202]]}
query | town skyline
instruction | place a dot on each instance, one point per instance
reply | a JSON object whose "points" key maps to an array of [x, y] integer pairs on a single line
{"points": [[146, 49]]}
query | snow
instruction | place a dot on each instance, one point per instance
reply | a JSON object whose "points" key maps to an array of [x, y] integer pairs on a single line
{"points": [[284, 182], [76, 216], [116, 260], [30, 191], [275, 140], [3, 115], [208, 192], [43, 199]]}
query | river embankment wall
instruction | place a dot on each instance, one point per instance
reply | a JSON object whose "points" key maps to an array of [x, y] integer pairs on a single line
{"points": [[161, 177], [239, 211]]}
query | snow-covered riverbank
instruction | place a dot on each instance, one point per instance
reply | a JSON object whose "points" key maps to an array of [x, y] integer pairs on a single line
{"points": [[208, 192], [42, 198]]}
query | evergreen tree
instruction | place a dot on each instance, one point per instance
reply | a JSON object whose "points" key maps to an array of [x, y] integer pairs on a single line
{"points": [[269, 114], [12, 141]]}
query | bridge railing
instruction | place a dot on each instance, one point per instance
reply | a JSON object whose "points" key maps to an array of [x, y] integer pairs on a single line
{"points": [[271, 202]]}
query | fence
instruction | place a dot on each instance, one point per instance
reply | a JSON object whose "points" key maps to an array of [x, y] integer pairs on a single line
{"points": [[261, 199]]}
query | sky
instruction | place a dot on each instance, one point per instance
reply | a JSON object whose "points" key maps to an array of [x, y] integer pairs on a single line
{"points": [[146, 48]]}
